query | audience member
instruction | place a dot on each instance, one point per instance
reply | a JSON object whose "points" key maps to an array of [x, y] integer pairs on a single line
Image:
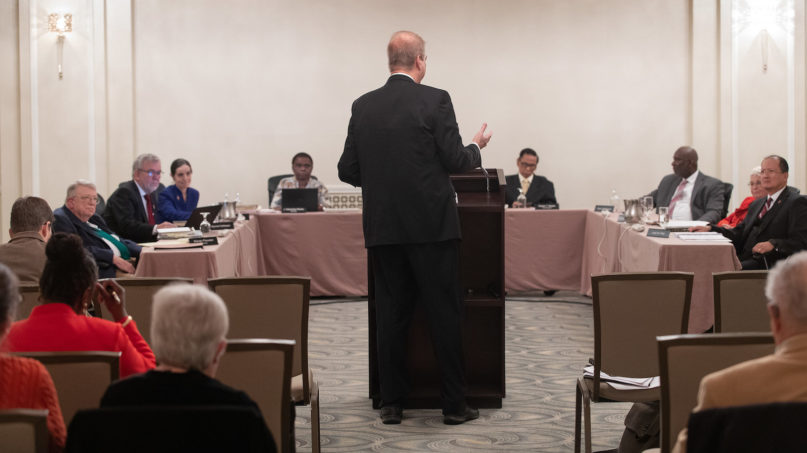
{"points": [[188, 331], [59, 323], [778, 377], [688, 193], [77, 216], [178, 200], [130, 209], [775, 227], [24, 254], [755, 184], [25, 383], [302, 165], [536, 188]]}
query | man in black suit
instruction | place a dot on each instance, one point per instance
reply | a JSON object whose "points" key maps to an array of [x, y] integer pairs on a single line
{"points": [[402, 144], [775, 226], [130, 209], [690, 194], [78, 216], [536, 188]]}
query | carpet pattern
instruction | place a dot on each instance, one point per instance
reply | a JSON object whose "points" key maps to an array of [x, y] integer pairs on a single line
{"points": [[548, 341]]}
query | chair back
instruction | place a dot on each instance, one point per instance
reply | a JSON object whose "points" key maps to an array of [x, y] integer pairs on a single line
{"points": [[168, 429], [762, 428], [630, 311], [29, 292], [271, 185], [139, 299], [24, 430], [269, 307], [262, 369], [740, 303], [685, 359], [728, 188], [80, 377]]}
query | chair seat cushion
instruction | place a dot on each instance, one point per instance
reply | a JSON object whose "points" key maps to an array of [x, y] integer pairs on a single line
{"points": [[298, 391]]}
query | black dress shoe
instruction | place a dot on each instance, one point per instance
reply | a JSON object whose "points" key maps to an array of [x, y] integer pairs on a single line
{"points": [[391, 415], [457, 419]]}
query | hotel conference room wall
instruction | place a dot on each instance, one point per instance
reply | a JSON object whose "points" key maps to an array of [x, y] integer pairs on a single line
{"points": [[603, 90]]}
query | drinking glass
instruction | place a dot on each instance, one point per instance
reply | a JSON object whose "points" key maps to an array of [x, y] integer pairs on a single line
{"points": [[647, 202], [204, 227], [663, 218]]}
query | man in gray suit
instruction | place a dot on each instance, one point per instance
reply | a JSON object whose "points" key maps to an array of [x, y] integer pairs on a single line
{"points": [[690, 194]]}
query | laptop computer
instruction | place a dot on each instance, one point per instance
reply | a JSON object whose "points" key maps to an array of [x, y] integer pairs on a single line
{"points": [[300, 200], [196, 216]]}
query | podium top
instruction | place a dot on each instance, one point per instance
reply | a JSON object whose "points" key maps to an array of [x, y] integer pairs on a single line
{"points": [[476, 181]]}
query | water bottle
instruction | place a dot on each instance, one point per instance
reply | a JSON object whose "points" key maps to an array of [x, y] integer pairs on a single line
{"points": [[521, 199], [615, 201]]}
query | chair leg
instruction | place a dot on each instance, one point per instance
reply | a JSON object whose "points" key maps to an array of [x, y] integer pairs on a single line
{"points": [[587, 421], [315, 445], [577, 406]]}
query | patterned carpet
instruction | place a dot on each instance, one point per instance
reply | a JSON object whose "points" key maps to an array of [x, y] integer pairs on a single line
{"points": [[549, 339]]}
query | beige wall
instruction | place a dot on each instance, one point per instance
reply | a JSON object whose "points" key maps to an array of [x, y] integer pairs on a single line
{"points": [[604, 91]]}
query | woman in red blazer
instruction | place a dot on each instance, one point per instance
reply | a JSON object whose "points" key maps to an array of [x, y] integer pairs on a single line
{"points": [[733, 219], [66, 288]]}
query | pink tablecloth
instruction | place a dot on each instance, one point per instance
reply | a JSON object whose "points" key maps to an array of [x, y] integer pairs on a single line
{"points": [[327, 246], [235, 256], [613, 247]]}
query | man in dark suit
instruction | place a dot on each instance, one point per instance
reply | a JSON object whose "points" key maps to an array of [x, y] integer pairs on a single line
{"points": [[78, 217], [775, 226], [690, 194], [130, 209], [402, 144], [536, 188]]}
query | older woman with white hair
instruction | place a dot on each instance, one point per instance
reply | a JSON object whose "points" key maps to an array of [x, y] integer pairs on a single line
{"points": [[188, 337], [755, 185]]}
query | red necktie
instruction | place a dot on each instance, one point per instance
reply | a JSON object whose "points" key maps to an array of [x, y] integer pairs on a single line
{"points": [[679, 193], [149, 209], [765, 208]]}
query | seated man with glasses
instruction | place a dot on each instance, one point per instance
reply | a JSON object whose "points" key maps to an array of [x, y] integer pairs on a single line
{"points": [[77, 216], [24, 254], [130, 209], [537, 189]]}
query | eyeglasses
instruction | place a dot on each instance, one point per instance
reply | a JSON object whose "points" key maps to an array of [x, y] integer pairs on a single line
{"points": [[758, 183], [88, 198], [151, 173], [526, 165], [768, 171]]}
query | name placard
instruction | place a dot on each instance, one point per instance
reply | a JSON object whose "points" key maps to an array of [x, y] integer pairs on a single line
{"points": [[223, 226], [205, 240], [658, 233], [604, 207], [621, 218]]}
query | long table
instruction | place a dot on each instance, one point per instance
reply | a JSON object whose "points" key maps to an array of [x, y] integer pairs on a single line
{"points": [[544, 250]]}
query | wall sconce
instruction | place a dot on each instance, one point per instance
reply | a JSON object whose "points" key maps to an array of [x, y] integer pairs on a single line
{"points": [[765, 19], [61, 25]]}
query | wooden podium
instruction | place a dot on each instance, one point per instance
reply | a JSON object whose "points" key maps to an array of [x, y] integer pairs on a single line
{"points": [[481, 211]]}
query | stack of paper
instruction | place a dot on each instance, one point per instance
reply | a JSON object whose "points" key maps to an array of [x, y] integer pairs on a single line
{"points": [[621, 382], [703, 236]]}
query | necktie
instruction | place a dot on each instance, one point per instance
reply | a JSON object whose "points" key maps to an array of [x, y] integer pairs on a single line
{"points": [[525, 184], [124, 251], [149, 209], [765, 208], [679, 193]]}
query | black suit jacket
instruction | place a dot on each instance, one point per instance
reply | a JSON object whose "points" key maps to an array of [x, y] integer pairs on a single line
{"points": [[541, 190], [126, 215], [402, 144], [67, 222], [784, 225]]}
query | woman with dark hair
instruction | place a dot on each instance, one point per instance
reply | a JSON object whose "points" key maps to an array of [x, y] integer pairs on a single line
{"points": [[25, 383], [67, 287], [178, 200]]}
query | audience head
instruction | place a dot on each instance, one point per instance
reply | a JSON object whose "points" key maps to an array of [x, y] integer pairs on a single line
{"points": [[81, 199], [189, 326], [685, 161], [786, 290], [181, 172], [406, 52], [70, 272], [527, 162], [774, 173], [31, 214], [302, 165], [755, 183], [146, 172], [9, 298]]}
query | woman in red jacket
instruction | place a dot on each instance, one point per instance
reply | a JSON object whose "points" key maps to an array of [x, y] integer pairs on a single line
{"points": [[25, 383], [755, 184], [59, 323]]}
